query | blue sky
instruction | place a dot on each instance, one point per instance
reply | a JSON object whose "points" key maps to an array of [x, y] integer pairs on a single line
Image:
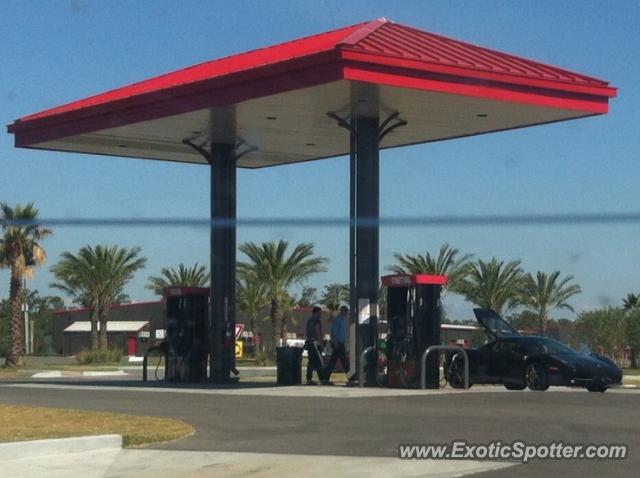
{"points": [[55, 52]]}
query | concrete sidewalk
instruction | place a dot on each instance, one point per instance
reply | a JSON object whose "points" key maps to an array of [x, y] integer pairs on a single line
{"points": [[257, 389], [103, 457], [133, 370]]}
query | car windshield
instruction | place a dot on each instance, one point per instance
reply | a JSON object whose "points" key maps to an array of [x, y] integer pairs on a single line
{"points": [[552, 346], [584, 349], [494, 324]]}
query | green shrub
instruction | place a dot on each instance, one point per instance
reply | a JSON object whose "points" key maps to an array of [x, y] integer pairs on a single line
{"points": [[87, 356]]}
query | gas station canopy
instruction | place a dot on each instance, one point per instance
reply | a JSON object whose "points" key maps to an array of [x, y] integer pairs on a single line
{"points": [[275, 100], [351, 91]]}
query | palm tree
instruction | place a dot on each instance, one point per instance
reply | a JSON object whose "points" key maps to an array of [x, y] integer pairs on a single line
{"points": [[288, 305], [251, 299], [546, 292], [494, 284], [632, 333], [20, 251], [307, 297], [196, 276], [95, 276], [632, 325], [334, 295], [40, 316], [270, 265], [632, 300], [449, 262]]}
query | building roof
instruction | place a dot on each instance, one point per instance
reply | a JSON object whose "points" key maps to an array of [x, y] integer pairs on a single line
{"points": [[112, 326], [276, 99], [81, 310], [458, 327]]}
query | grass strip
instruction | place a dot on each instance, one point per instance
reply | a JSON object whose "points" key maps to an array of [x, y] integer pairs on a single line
{"points": [[19, 423]]}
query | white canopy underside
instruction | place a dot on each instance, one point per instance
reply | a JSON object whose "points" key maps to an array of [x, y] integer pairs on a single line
{"points": [[293, 126]]}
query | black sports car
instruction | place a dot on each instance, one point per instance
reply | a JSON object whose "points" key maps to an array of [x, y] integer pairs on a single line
{"points": [[522, 361]]}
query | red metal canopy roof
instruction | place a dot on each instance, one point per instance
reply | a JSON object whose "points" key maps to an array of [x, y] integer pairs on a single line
{"points": [[276, 98], [447, 55]]}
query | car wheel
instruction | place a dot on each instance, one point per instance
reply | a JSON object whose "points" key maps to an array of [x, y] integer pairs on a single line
{"points": [[455, 374], [597, 388], [515, 386], [535, 377]]}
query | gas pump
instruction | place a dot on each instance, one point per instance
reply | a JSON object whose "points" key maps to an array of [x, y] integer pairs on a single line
{"points": [[186, 345], [413, 313]]}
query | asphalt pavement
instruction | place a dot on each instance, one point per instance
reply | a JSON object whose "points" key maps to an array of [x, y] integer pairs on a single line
{"points": [[256, 417]]}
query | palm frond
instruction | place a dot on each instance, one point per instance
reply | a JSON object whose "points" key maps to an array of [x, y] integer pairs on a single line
{"points": [[449, 262], [494, 284], [546, 292], [195, 276]]}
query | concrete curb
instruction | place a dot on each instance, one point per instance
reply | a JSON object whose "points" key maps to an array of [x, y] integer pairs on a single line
{"points": [[50, 374], [86, 373], [101, 373], [57, 446]]}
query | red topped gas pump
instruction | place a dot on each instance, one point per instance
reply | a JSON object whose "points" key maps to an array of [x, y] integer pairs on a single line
{"points": [[186, 344], [414, 312]]}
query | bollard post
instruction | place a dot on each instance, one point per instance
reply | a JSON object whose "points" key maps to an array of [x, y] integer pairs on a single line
{"points": [[361, 369], [433, 348]]}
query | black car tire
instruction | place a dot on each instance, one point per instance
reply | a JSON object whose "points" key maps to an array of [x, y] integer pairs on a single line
{"points": [[455, 375], [596, 388], [535, 376], [515, 386]]}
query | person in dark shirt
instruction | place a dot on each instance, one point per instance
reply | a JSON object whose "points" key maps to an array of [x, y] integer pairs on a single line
{"points": [[313, 345]]}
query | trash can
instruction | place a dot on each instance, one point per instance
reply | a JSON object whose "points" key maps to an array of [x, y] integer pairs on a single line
{"points": [[289, 364]]}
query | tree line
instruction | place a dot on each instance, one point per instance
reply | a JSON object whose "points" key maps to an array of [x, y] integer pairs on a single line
{"points": [[611, 330], [95, 277]]}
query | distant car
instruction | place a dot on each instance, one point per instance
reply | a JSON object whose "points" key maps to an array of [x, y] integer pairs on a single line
{"points": [[522, 361]]}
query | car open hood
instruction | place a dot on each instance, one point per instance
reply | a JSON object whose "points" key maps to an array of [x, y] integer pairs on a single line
{"points": [[493, 324]]}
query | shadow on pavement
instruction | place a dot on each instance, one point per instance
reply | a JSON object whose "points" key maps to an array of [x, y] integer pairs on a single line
{"points": [[78, 381]]}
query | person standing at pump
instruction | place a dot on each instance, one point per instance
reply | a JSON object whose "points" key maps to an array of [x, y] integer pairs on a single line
{"points": [[338, 344], [313, 345]]}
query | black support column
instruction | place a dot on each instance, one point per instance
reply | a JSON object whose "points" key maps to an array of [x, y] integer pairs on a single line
{"points": [[367, 210], [223, 261]]}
